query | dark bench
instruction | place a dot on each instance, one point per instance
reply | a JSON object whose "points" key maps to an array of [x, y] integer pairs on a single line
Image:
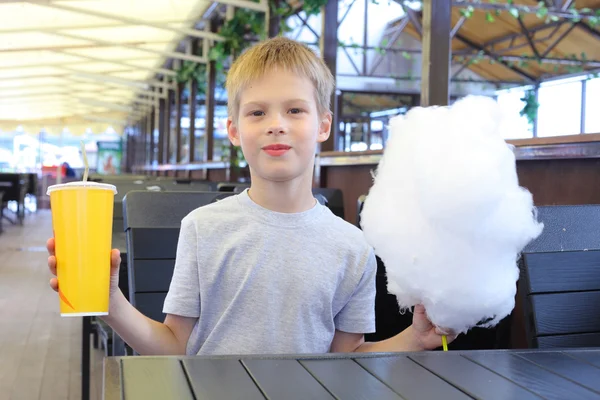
{"points": [[560, 279]]}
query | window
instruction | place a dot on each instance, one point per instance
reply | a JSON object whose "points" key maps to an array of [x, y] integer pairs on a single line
{"points": [[560, 109], [592, 105]]}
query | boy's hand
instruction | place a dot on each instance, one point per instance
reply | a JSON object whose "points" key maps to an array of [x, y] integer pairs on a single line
{"points": [[427, 335], [115, 261]]}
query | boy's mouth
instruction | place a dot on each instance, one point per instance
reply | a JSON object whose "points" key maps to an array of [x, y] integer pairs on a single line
{"points": [[276, 150]]}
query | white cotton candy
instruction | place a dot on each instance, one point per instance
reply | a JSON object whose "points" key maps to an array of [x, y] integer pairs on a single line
{"points": [[447, 216]]}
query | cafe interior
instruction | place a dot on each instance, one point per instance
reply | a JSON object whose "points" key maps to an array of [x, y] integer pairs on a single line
{"points": [[132, 94]]}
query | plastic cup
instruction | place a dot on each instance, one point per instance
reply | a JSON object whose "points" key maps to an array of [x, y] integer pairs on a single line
{"points": [[82, 217]]}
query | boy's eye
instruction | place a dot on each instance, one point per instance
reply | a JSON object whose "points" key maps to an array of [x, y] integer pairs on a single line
{"points": [[257, 113], [295, 111]]}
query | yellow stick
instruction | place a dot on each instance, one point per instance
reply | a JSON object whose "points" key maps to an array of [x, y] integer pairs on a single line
{"points": [[445, 342]]}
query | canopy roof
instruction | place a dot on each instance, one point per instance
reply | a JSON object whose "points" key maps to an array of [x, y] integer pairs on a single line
{"points": [[87, 59]]}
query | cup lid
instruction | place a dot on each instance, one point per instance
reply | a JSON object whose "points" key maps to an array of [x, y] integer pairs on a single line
{"points": [[80, 184]]}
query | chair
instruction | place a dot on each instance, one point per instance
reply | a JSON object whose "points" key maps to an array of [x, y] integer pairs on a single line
{"points": [[232, 187], [152, 223], [123, 188], [118, 178], [181, 185], [560, 279], [15, 187], [335, 199]]}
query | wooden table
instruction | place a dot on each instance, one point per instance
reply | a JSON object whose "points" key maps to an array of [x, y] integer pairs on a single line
{"points": [[494, 374]]}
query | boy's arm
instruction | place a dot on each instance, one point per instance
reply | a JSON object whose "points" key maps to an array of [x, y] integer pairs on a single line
{"points": [[344, 342], [421, 335], [146, 336]]}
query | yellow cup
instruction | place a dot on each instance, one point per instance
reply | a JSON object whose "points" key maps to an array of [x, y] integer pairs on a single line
{"points": [[82, 216]]}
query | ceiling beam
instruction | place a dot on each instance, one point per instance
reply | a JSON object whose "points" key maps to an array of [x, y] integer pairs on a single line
{"points": [[162, 71], [174, 55], [76, 47], [135, 89], [59, 63], [108, 120], [498, 59], [261, 6], [56, 75], [114, 79], [77, 27], [130, 20]]}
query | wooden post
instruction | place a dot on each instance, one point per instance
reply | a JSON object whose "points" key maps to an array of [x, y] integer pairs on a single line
{"points": [[329, 44], [168, 108], [192, 107], [152, 144], [162, 124], [435, 73], [178, 115], [273, 18], [211, 83]]}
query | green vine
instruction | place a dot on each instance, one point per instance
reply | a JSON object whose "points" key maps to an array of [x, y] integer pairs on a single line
{"points": [[247, 26], [196, 72], [531, 106], [541, 11]]}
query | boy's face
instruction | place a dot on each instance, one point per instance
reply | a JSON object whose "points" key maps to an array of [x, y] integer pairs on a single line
{"points": [[278, 126]]}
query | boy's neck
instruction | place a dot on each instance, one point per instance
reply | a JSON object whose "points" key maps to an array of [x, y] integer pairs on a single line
{"points": [[284, 197]]}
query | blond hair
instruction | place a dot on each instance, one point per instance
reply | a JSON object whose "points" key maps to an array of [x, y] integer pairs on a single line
{"points": [[278, 53]]}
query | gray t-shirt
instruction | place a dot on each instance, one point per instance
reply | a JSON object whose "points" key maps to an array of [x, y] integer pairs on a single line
{"points": [[262, 282]]}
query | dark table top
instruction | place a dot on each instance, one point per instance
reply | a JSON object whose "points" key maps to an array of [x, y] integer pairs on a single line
{"points": [[491, 374]]}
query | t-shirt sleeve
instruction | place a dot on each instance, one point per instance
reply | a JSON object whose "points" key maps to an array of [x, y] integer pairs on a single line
{"points": [[358, 315], [183, 297]]}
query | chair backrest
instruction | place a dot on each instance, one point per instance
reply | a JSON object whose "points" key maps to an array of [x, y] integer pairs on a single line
{"points": [[335, 199], [123, 188], [14, 186], [152, 223], [118, 178], [232, 187], [189, 186], [560, 279]]}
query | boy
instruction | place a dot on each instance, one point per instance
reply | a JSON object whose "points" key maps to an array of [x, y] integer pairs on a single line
{"points": [[269, 270]]}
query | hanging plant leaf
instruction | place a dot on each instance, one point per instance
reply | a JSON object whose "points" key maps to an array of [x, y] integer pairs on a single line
{"points": [[489, 17], [406, 55], [531, 106], [514, 12]]}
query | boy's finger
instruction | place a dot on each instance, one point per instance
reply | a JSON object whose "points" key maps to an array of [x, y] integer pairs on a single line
{"points": [[50, 245], [52, 264], [115, 258], [54, 284], [447, 332]]}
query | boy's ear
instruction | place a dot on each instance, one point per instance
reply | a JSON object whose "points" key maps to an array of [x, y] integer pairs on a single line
{"points": [[325, 127], [232, 132]]}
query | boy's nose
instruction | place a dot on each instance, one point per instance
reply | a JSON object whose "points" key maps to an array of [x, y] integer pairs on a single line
{"points": [[276, 127]]}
